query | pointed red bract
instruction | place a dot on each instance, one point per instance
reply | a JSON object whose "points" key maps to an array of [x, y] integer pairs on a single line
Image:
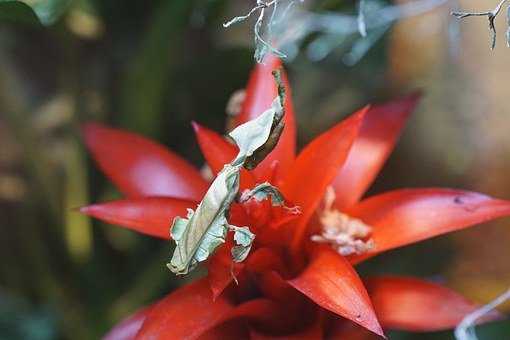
{"points": [[415, 305], [186, 313], [315, 168], [348, 156], [402, 217], [221, 269], [260, 93], [378, 134], [140, 167], [151, 215], [218, 152], [332, 283], [129, 327]]}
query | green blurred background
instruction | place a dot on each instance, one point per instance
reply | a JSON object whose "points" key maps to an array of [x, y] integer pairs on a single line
{"points": [[152, 67]]}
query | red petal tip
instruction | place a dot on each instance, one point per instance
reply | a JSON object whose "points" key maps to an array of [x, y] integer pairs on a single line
{"points": [[88, 126], [195, 126], [334, 285], [151, 215], [411, 99], [86, 210], [319, 162], [359, 115], [90, 129], [406, 216], [378, 135]]}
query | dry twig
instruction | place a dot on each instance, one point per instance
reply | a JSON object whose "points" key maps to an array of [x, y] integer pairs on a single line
{"points": [[465, 330], [263, 45], [287, 26], [491, 16]]}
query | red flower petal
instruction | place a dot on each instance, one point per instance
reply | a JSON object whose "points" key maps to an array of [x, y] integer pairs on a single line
{"points": [[227, 331], [411, 304], [260, 93], [151, 215], [129, 327], [220, 265], [332, 283], [265, 220], [315, 168], [378, 134], [264, 314], [264, 260], [184, 314], [218, 152], [164, 321], [221, 268], [140, 167], [406, 216], [314, 331], [272, 285]]}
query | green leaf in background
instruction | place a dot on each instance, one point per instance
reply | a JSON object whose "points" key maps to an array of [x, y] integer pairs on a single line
{"points": [[16, 11], [34, 12], [152, 68], [20, 320]]}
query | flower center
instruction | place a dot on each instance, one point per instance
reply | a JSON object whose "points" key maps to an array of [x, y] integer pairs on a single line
{"points": [[346, 234]]}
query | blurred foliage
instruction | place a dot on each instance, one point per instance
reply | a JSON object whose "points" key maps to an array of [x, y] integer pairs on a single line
{"points": [[34, 12], [19, 321], [152, 67]]}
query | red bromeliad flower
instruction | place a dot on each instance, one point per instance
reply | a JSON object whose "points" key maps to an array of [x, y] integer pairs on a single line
{"points": [[298, 282]]}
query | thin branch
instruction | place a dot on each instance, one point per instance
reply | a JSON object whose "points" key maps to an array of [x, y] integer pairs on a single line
{"points": [[260, 6], [491, 16], [263, 44], [508, 27], [362, 27], [286, 27], [465, 330]]}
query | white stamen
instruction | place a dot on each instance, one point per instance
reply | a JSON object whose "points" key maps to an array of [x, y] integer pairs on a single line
{"points": [[347, 235]]}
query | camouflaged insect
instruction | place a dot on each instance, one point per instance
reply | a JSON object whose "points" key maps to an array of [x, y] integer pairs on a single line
{"points": [[199, 234]]}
